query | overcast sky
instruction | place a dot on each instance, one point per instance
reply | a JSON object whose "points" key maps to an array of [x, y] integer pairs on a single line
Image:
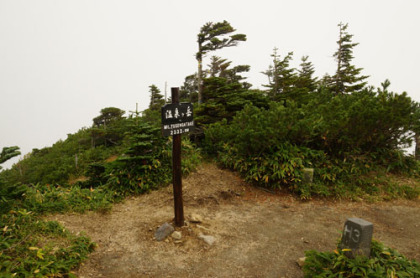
{"points": [[61, 62]]}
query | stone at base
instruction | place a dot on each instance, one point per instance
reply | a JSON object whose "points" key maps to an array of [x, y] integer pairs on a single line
{"points": [[207, 239], [176, 235], [196, 218], [163, 231]]}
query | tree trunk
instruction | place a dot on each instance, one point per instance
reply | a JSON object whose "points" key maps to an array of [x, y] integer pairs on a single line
{"points": [[200, 81]]}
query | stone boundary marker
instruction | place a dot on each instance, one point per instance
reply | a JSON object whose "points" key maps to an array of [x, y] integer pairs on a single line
{"points": [[357, 237]]}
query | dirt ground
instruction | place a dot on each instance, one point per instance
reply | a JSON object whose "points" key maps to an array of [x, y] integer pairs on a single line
{"points": [[257, 233]]}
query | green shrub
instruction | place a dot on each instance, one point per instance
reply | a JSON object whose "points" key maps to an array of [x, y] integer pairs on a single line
{"points": [[54, 198], [281, 167], [30, 247], [10, 195], [147, 162], [144, 165], [344, 137], [383, 262]]}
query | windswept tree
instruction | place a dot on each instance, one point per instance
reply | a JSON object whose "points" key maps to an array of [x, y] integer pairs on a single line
{"points": [[105, 131], [8, 153], [221, 68], [108, 115], [214, 36], [347, 78]]}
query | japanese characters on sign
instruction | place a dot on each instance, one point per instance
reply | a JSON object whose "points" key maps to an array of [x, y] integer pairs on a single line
{"points": [[177, 119]]}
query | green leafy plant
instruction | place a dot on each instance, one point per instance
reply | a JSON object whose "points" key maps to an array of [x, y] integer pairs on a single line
{"points": [[54, 198], [383, 262], [30, 247]]}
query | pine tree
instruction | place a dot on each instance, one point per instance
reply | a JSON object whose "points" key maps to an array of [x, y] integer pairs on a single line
{"points": [[145, 164], [105, 131], [189, 90], [8, 153], [156, 98], [347, 78], [213, 36], [281, 78], [218, 66], [305, 78]]}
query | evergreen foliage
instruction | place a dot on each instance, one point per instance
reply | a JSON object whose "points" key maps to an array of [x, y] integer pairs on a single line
{"points": [[350, 133], [281, 77], [144, 165], [106, 129], [189, 90], [214, 36], [156, 98], [342, 137], [347, 78], [8, 192], [223, 98], [306, 82], [8, 153]]}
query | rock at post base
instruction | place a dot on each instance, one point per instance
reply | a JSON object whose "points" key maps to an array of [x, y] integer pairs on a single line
{"points": [[196, 218], [164, 231], [177, 235], [207, 239]]}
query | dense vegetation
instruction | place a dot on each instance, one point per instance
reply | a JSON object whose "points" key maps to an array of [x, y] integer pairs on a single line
{"points": [[383, 262], [89, 170], [350, 133]]}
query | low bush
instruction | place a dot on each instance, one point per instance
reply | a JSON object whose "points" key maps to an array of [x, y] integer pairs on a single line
{"points": [[346, 138], [30, 247], [383, 262], [147, 163], [54, 198]]}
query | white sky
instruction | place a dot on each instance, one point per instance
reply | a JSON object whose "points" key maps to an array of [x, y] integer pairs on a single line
{"points": [[61, 62]]}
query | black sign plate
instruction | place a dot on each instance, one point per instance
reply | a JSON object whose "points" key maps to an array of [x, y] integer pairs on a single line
{"points": [[177, 119]]}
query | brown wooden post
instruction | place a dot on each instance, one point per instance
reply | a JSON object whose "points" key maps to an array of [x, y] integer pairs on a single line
{"points": [[176, 170]]}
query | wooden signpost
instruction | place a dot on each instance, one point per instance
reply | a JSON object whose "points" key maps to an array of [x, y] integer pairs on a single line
{"points": [[177, 118]]}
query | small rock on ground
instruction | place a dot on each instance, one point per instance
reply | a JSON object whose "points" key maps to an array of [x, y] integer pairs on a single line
{"points": [[207, 239], [176, 235], [301, 261], [196, 218], [164, 231]]}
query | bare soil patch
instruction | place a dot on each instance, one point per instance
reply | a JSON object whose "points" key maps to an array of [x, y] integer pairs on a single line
{"points": [[258, 234]]}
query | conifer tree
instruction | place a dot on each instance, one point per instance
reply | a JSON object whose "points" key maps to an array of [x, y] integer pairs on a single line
{"points": [[156, 98], [305, 78], [281, 77], [105, 130], [189, 90], [8, 153], [214, 36], [347, 78], [218, 66]]}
